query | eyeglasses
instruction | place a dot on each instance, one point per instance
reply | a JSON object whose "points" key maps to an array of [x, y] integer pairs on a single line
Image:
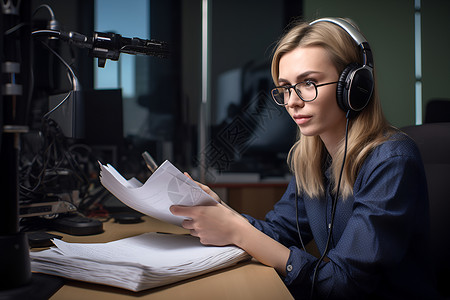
{"points": [[305, 90]]}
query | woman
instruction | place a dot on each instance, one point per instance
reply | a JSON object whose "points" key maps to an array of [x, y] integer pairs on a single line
{"points": [[377, 244]]}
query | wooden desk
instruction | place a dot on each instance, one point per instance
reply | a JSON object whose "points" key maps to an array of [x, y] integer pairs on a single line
{"points": [[247, 280]]}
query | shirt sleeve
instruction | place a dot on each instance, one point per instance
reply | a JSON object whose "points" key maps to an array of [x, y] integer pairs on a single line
{"points": [[280, 223]]}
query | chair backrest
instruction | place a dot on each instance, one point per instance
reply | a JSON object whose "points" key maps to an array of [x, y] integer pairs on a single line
{"points": [[437, 111], [433, 141]]}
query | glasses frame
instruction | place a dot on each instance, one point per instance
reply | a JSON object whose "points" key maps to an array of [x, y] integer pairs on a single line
{"points": [[289, 87]]}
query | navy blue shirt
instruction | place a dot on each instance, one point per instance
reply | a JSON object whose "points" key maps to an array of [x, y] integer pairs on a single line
{"points": [[380, 235]]}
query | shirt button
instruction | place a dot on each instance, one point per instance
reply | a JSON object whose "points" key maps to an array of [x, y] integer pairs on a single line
{"points": [[289, 268]]}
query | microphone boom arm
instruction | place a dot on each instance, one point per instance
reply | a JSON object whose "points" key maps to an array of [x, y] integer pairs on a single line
{"points": [[109, 45]]}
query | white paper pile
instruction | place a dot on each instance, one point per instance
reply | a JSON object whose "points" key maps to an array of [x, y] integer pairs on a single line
{"points": [[166, 187], [137, 263]]}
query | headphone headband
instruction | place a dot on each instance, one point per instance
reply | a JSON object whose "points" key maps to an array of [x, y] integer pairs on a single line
{"points": [[355, 85], [351, 30], [356, 36]]}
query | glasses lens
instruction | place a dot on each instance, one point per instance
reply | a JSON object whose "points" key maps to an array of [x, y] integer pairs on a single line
{"points": [[306, 90], [280, 95]]}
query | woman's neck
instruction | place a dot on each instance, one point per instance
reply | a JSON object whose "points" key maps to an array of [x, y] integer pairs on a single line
{"points": [[333, 139]]}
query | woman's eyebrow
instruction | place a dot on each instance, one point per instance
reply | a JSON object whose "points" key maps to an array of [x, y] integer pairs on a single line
{"points": [[281, 80], [300, 76], [308, 73]]}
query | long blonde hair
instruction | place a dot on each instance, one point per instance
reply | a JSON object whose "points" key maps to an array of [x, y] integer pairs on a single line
{"points": [[307, 157]]}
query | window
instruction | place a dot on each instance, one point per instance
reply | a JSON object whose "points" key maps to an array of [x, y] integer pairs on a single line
{"points": [[110, 17]]}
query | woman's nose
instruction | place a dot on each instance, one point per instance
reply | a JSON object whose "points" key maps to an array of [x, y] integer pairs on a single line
{"points": [[295, 100]]}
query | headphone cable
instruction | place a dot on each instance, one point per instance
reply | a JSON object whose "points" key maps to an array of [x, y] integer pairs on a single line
{"points": [[333, 209], [296, 218]]}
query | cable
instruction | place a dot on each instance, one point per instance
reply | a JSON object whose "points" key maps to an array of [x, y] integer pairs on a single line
{"points": [[58, 105], [53, 23], [49, 9], [75, 83], [296, 218], [333, 209], [54, 158]]}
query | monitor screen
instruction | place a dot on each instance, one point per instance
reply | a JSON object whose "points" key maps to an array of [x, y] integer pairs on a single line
{"points": [[249, 129]]}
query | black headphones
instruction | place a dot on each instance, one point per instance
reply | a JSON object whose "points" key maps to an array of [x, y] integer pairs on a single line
{"points": [[355, 85]]}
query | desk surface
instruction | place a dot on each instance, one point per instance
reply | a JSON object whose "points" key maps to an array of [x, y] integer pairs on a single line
{"points": [[246, 280]]}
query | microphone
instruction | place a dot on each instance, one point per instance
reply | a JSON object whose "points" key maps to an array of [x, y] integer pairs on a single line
{"points": [[109, 45]]}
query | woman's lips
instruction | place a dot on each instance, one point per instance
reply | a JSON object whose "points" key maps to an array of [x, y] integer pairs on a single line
{"points": [[301, 119]]}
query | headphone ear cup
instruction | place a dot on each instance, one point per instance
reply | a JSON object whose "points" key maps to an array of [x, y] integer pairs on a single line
{"points": [[342, 87]]}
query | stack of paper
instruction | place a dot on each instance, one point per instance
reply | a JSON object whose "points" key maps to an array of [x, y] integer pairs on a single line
{"points": [[135, 263], [166, 187]]}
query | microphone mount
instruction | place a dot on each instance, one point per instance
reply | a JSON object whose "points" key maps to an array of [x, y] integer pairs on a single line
{"points": [[109, 45]]}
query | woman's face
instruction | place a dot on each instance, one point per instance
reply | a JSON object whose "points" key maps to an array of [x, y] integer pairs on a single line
{"points": [[322, 116]]}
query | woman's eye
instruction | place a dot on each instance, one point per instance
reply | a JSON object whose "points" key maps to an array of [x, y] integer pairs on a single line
{"points": [[309, 82]]}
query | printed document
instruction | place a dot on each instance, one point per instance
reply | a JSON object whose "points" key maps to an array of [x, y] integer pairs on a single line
{"points": [[164, 188]]}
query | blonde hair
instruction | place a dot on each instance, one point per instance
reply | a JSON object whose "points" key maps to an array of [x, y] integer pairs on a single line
{"points": [[307, 157]]}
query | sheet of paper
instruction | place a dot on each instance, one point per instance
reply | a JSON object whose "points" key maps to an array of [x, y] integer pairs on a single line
{"points": [[150, 249], [164, 188]]}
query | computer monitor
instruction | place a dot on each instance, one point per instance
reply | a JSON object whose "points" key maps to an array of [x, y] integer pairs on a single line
{"points": [[251, 131]]}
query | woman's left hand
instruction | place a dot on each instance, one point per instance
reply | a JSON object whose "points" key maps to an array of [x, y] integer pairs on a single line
{"points": [[214, 224]]}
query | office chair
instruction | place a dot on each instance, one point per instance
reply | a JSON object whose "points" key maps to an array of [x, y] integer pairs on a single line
{"points": [[433, 141], [437, 111]]}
